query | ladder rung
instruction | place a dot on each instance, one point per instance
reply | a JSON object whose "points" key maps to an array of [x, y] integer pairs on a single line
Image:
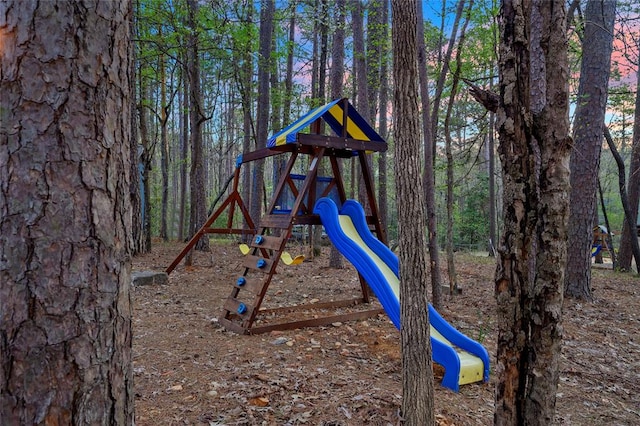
{"points": [[267, 242], [252, 285], [232, 326], [281, 221], [236, 307], [257, 263]]}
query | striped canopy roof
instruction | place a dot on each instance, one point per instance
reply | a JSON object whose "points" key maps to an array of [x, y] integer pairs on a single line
{"points": [[332, 113]]}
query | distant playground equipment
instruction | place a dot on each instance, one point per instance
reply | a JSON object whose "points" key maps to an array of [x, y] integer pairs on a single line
{"points": [[601, 241], [311, 199]]}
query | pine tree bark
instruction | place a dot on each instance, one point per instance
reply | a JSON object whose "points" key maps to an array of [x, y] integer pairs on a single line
{"points": [[164, 150], [196, 119], [455, 79], [383, 202], [633, 192], [336, 76], [429, 176], [417, 374], [267, 10], [183, 102], [626, 205], [145, 160], [442, 77], [134, 158], [587, 134], [533, 126], [362, 99], [245, 83], [65, 213]]}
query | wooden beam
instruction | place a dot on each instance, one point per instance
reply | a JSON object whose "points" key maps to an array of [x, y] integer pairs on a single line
{"points": [[341, 143], [316, 322]]}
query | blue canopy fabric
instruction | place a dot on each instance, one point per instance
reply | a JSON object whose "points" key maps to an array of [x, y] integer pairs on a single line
{"points": [[333, 114]]}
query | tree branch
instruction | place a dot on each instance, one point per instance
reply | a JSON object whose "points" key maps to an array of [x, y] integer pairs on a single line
{"points": [[486, 98]]}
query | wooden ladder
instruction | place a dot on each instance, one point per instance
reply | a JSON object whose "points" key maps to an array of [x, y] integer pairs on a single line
{"points": [[259, 266], [241, 307]]}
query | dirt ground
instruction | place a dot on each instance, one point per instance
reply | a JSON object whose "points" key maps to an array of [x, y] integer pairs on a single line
{"points": [[189, 370]]}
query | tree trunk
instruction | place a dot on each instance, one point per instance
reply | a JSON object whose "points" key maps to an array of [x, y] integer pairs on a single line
{"points": [[322, 19], [451, 266], [362, 99], [492, 186], [336, 76], [134, 158], [184, 153], [245, 79], [383, 203], [629, 221], [633, 191], [429, 175], [533, 126], [288, 79], [585, 160], [196, 119], [65, 213], [164, 149], [288, 88], [417, 373], [375, 44], [442, 77], [145, 160], [267, 10]]}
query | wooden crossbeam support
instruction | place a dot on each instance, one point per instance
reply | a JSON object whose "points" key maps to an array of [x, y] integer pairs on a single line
{"points": [[231, 201], [341, 143]]}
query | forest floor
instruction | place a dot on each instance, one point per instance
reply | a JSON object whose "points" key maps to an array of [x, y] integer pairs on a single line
{"points": [[188, 370]]}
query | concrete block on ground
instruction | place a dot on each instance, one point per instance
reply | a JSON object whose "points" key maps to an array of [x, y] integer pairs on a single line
{"points": [[149, 278]]}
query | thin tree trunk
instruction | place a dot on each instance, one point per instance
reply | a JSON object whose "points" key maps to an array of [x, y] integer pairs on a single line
{"points": [[137, 231], [247, 125], [417, 373], [164, 150], [629, 218], [429, 176], [375, 43], [267, 10], [184, 152], [145, 159], [492, 186], [196, 119], [585, 159], [633, 191], [451, 266], [336, 76], [383, 203], [442, 77], [65, 214], [323, 17], [362, 99], [288, 83]]}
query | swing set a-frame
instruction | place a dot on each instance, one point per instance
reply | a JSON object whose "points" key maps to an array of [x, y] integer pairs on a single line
{"points": [[292, 204]]}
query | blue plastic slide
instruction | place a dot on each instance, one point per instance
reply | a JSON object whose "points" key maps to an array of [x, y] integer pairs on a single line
{"points": [[464, 360]]}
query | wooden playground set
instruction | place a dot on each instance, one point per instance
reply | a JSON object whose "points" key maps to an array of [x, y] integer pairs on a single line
{"points": [[291, 204], [311, 199]]}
